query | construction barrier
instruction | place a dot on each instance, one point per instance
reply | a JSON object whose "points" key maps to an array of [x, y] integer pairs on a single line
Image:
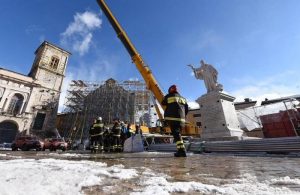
{"points": [[275, 145]]}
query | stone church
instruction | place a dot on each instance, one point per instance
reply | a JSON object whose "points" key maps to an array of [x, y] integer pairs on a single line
{"points": [[29, 103]]}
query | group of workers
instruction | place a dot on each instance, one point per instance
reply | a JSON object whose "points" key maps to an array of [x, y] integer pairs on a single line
{"points": [[104, 139]]}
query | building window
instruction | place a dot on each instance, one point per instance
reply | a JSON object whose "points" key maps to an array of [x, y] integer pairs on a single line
{"points": [[15, 104], [54, 62], [39, 121]]}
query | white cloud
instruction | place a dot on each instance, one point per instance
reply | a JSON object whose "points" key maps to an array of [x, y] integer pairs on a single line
{"points": [[95, 71], [276, 86], [83, 46], [78, 35]]}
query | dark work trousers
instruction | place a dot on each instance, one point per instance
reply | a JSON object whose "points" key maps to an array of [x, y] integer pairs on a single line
{"points": [[93, 141], [100, 141], [107, 141], [176, 127], [117, 143]]}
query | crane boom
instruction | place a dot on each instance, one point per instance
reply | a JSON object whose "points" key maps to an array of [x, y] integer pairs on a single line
{"points": [[144, 70], [137, 59]]}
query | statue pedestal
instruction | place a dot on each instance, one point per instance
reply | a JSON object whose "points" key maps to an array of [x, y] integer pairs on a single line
{"points": [[218, 117]]}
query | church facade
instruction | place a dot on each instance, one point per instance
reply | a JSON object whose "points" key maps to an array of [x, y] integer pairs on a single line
{"points": [[29, 103]]}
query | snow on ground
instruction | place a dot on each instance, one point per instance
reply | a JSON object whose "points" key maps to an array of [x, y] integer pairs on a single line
{"points": [[53, 176], [50, 176], [248, 185]]}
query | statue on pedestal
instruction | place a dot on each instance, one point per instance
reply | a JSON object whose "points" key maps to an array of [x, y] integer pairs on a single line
{"points": [[209, 74]]}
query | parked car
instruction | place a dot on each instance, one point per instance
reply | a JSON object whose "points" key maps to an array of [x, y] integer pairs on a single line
{"points": [[55, 144], [5, 146], [26, 143]]}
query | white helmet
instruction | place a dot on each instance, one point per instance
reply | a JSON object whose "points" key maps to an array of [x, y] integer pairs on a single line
{"points": [[99, 118]]}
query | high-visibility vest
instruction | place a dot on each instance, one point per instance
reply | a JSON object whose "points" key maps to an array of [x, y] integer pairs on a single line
{"points": [[176, 107]]}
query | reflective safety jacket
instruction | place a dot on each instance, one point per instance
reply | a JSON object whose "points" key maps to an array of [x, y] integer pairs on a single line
{"points": [[98, 128], [116, 130], [176, 107]]}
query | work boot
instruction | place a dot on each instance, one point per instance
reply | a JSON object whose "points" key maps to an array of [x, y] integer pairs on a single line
{"points": [[180, 153]]}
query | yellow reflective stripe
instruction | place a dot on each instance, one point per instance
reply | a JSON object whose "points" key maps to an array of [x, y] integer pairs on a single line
{"points": [[175, 119], [176, 99], [98, 134], [179, 142], [98, 125], [180, 146]]}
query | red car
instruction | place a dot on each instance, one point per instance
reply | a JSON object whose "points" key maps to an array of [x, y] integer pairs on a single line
{"points": [[54, 144], [26, 143]]}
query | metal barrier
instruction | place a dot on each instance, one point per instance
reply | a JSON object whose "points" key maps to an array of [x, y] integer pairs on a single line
{"points": [[282, 145]]}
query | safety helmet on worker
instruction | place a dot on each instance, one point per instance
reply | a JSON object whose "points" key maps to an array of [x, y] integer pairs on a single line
{"points": [[99, 118], [172, 89]]}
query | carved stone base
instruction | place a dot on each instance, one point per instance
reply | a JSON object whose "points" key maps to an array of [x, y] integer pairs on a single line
{"points": [[218, 116]]}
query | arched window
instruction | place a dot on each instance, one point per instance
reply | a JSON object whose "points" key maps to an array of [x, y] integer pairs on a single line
{"points": [[15, 104], [8, 131], [54, 62]]}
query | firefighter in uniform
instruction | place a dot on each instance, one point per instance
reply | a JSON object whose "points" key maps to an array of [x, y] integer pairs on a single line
{"points": [[107, 139], [116, 134], [92, 137], [176, 110], [98, 133]]}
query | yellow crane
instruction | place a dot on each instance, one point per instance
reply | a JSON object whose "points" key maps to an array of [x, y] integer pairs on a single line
{"points": [[143, 68]]}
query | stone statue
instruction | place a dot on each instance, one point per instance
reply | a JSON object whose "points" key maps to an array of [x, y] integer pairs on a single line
{"points": [[209, 74]]}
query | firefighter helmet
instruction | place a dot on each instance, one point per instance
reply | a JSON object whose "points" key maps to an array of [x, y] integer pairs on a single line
{"points": [[172, 89]]}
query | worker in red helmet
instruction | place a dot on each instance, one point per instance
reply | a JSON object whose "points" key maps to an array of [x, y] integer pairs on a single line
{"points": [[176, 110]]}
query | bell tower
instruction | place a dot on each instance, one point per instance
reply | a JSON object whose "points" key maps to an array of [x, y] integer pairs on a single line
{"points": [[49, 66]]}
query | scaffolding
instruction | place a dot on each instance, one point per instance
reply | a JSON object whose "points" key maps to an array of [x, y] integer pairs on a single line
{"points": [[85, 101], [78, 90]]}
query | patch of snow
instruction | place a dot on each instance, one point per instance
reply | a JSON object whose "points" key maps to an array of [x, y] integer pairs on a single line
{"points": [[248, 184], [51, 176], [160, 185], [285, 181], [119, 172]]}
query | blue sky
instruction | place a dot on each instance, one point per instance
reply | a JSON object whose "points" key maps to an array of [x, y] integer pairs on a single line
{"points": [[253, 44]]}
